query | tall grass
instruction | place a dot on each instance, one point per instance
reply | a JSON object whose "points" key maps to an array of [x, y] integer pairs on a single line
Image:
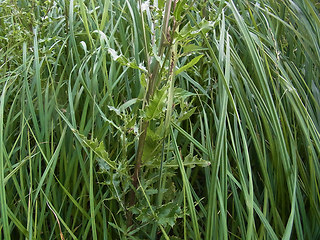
{"points": [[159, 119]]}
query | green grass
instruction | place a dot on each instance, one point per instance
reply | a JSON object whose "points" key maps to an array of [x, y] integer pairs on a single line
{"points": [[163, 120]]}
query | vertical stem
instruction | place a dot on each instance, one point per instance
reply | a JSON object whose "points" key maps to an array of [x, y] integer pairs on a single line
{"points": [[173, 57], [150, 91]]}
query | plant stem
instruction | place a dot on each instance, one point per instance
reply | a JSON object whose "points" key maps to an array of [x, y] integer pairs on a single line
{"points": [[150, 91]]}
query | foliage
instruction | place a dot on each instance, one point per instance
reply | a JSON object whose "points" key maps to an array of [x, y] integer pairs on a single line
{"points": [[221, 98]]}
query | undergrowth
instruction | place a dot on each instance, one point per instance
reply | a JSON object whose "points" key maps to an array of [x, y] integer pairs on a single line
{"points": [[159, 119]]}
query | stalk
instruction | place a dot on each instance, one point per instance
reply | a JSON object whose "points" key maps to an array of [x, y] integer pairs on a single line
{"points": [[153, 76]]}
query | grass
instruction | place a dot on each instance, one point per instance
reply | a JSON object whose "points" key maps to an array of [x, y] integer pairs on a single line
{"points": [[159, 120]]}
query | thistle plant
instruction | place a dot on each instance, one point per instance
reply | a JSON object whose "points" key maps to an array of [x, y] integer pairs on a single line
{"points": [[159, 119]]}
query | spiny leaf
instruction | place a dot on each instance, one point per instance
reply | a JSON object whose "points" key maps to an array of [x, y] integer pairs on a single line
{"points": [[97, 147], [168, 213], [145, 215], [189, 161], [124, 61], [182, 94], [189, 31], [192, 161], [181, 5], [155, 108]]}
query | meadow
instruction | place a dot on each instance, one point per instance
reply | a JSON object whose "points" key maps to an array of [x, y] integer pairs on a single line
{"points": [[161, 119]]}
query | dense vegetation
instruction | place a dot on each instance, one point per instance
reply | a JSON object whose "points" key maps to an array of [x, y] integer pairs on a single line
{"points": [[159, 119]]}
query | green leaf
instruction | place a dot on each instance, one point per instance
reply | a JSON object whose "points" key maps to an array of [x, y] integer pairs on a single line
{"points": [[168, 213], [127, 104], [145, 215], [97, 147], [189, 31], [181, 5], [192, 161], [182, 94], [124, 61], [187, 115], [152, 148], [189, 161], [155, 108], [143, 81], [192, 48], [189, 64]]}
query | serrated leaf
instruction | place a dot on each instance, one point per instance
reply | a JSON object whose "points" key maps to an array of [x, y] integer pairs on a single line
{"points": [[182, 94], [189, 31], [145, 215], [151, 191], [189, 64], [124, 61], [179, 8], [168, 213], [97, 147], [189, 161], [155, 107], [192, 161]]}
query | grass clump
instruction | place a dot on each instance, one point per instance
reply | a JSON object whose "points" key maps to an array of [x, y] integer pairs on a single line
{"points": [[159, 119]]}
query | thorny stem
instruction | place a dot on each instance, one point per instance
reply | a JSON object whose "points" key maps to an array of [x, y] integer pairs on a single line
{"points": [[155, 65], [171, 75]]}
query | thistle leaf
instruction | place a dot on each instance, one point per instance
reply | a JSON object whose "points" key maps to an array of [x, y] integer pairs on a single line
{"points": [[97, 147]]}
